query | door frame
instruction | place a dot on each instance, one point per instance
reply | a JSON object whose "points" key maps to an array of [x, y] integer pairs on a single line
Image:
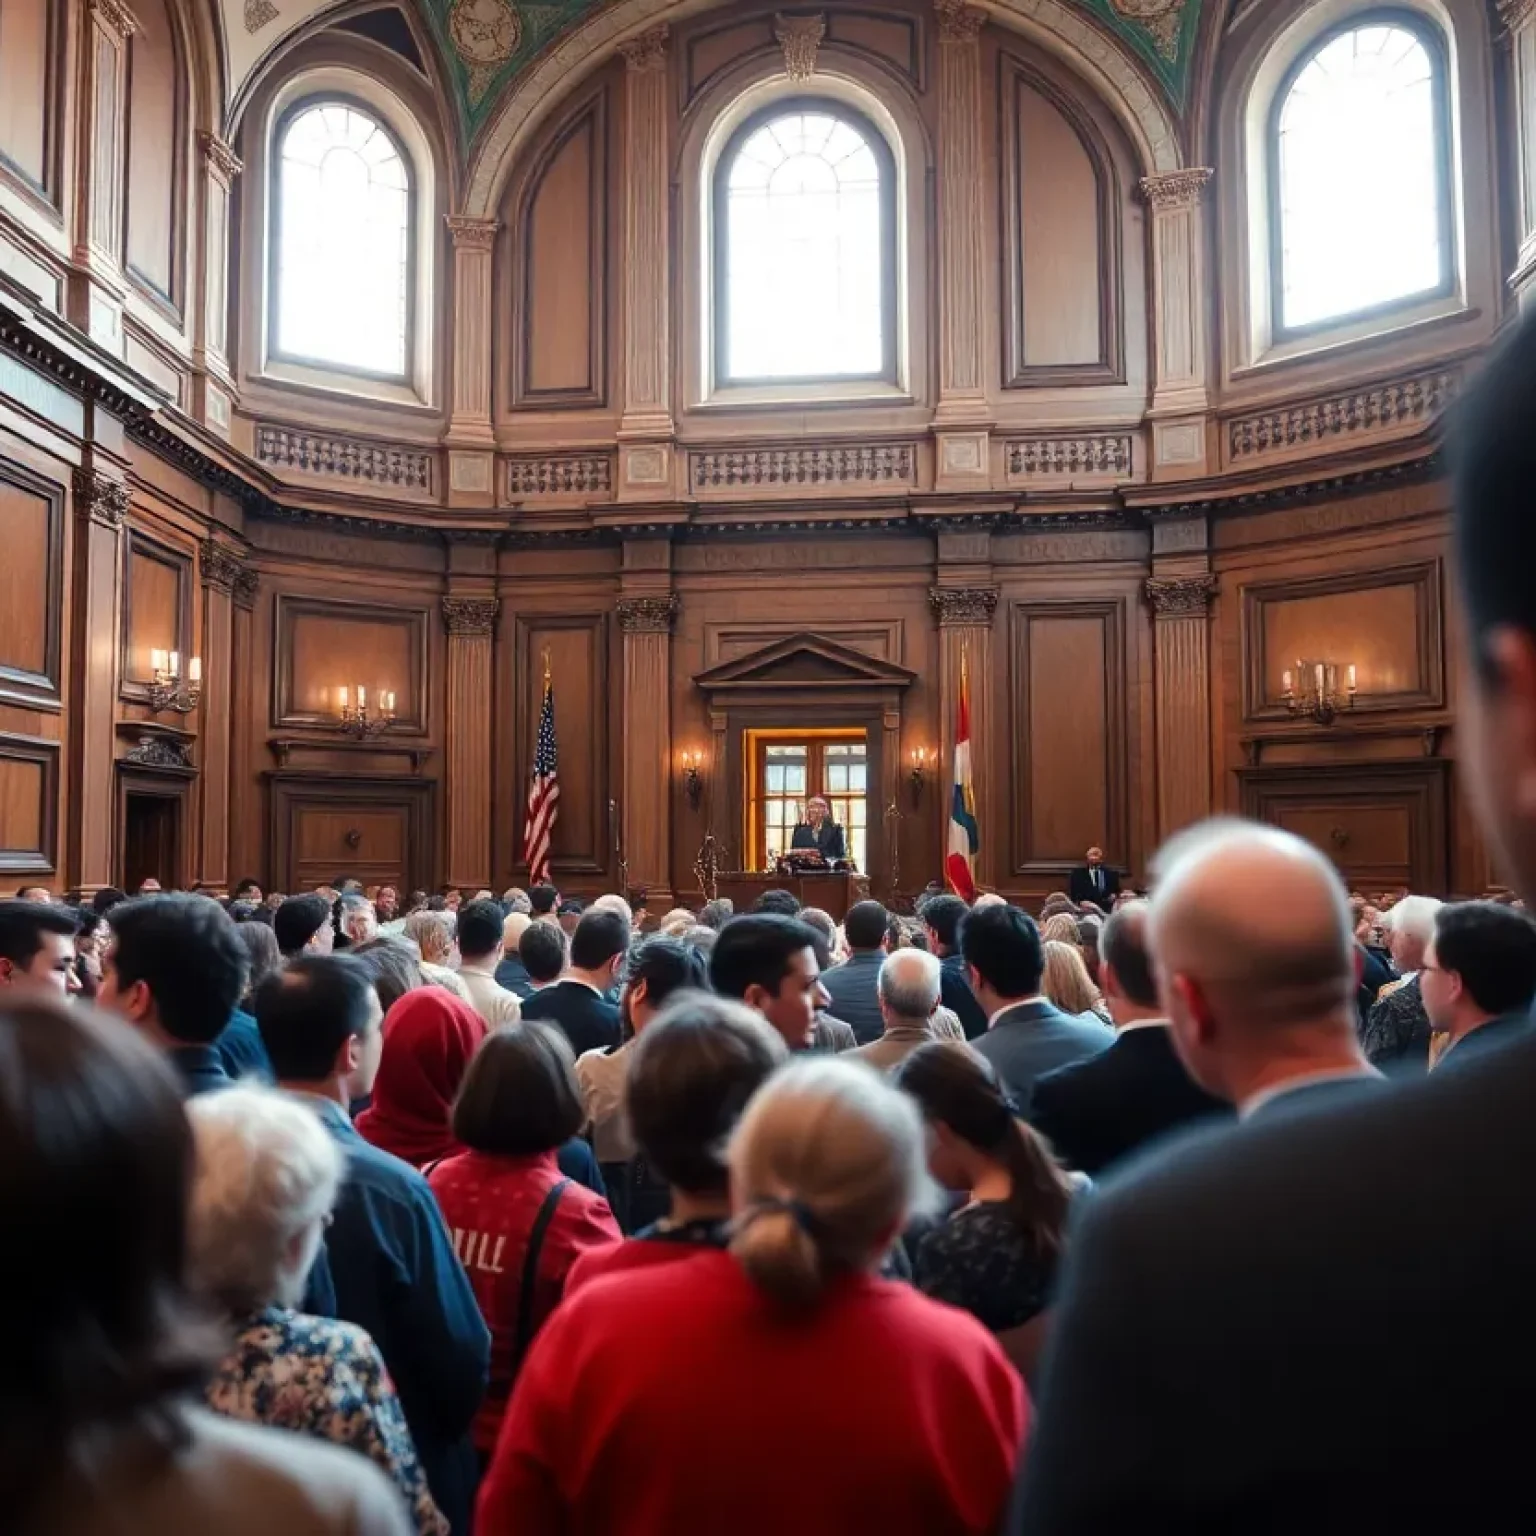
{"points": [[162, 783]]}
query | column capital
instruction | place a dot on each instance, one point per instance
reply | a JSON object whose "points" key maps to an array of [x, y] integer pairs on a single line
{"points": [[955, 606], [99, 498], [647, 53], [221, 159], [799, 37], [1515, 13], [1180, 597], [648, 615], [472, 234], [1176, 189], [468, 618], [958, 22], [247, 584], [222, 568], [116, 16]]}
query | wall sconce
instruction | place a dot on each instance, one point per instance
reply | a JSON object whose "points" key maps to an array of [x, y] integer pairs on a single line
{"points": [[355, 719], [1312, 691], [693, 778], [922, 760], [167, 691]]}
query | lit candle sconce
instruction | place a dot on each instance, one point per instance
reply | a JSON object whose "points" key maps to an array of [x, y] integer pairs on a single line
{"points": [[692, 764], [1312, 690], [355, 717], [922, 760], [167, 689]]}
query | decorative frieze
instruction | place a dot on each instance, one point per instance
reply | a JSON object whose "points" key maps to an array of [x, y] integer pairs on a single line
{"points": [[963, 605], [574, 474], [470, 617], [1092, 453], [344, 458], [1174, 190], [221, 567], [100, 499], [1178, 597], [1396, 404], [767, 468], [799, 37], [648, 615]]}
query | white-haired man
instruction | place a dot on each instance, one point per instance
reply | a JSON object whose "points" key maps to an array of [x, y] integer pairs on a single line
{"points": [[908, 991], [1396, 1031]]}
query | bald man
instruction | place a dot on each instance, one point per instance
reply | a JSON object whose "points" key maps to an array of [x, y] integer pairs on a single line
{"points": [[1255, 962], [908, 990]]}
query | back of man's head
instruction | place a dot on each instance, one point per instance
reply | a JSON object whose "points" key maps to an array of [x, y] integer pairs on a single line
{"points": [[542, 951], [298, 920], [909, 984], [307, 1012], [611, 901], [755, 950], [185, 950], [776, 900], [865, 926], [944, 914], [599, 938], [542, 899], [480, 928], [666, 966], [1125, 961], [1002, 945], [717, 913], [1492, 948]]}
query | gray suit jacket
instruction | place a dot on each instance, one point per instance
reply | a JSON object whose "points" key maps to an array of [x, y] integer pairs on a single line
{"points": [[1031, 1039], [853, 987], [237, 1480]]}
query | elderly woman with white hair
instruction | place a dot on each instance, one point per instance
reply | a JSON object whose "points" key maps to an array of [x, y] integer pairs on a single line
{"points": [[265, 1180], [433, 934], [1396, 1032]]}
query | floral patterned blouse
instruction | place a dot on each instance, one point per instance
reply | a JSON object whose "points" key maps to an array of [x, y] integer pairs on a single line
{"points": [[324, 1378]]}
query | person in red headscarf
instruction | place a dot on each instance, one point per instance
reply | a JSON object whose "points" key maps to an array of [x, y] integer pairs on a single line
{"points": [[429, 1038]]}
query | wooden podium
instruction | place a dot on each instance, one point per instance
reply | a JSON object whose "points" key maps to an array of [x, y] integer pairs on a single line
{"points": [[833, 893]]}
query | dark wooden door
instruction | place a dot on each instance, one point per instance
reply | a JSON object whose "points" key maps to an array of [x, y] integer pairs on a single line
{"points": [[151, 840]]}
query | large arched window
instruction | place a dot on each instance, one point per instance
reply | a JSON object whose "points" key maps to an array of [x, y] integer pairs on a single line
{"points": [[1360, 178], [804, 233], [341, 262]]}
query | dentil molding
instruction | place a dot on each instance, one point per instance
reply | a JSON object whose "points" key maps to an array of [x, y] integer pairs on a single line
{"points": [[963, 605], [647, 615], [1181, 596], [100, 499], [470, 617]]}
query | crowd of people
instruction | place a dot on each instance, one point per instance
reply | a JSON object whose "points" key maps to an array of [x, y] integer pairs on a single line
{"points": [[1197, 1210]]}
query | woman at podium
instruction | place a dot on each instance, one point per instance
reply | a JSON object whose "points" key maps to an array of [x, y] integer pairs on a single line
{"points": [[820, 832]]}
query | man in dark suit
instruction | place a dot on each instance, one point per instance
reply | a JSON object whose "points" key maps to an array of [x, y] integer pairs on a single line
{"points": [[1479, 979], [1097, 1111], [1026, 1036], [820, 832], [1258, 1333], [578, 1002], [941, 917], [1094, 881], [854, 986]]}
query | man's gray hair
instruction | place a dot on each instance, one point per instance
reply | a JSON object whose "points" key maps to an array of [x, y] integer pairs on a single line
{"points": [[909, 983], [612, 902], [1414, 917]]}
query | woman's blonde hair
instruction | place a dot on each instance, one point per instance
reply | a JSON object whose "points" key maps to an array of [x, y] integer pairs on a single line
{"points": [[827, 1165], [1067, 982], [1061, 927]]}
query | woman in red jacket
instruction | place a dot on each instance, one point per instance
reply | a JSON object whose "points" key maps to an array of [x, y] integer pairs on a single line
{"points": [[779, 1386]]}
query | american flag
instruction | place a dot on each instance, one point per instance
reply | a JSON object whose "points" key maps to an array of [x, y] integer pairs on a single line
{"points": [[543, 792]]}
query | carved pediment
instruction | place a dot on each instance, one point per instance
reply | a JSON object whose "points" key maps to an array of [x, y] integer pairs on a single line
{"points": [[808, 661]]}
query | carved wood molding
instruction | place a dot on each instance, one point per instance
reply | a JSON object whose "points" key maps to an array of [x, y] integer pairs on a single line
{"points": [[648, 615], [221, 568], [1181, 597], [247, 585], [472, 234], [729, 469], [1413, 401], [963, 605], [647, 52], [1176, 189], [1098, 453], [99, 498], [799, 37], [1515, 13], [222, 160], [344, 458], [470, 618], [569, 474], [958, 22], [116, 16]]}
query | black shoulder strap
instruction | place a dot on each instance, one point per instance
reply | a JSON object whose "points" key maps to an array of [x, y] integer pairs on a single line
{"points": [[531, 1269]]}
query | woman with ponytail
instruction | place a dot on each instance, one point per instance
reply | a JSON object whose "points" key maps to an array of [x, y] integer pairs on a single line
{"points": [[779, 1385], [996, 1255]]}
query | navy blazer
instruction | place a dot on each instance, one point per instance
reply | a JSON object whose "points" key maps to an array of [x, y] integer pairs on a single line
{"points": [[854, 987], [590, 1022], [241, 1051], [512, 974], [394, 1273], [1031, 1039], [1492, 1036], [200, 1069], [827, 839], [956, 995]]}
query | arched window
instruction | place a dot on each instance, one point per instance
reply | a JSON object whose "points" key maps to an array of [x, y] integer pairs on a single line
{"points": [[1360, 175], [342, 242], [804, 231]]}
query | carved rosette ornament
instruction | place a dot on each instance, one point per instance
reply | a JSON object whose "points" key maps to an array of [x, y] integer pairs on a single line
{"points": [[470, 617], [959, 23], [648, 615], [1181, 597], [963, 605], [647, 52], [1176, 189], [799, 37], [221, 567], [102, 500]]}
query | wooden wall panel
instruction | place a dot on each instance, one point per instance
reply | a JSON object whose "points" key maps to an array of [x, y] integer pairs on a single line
{"points": [[31, 586], [28, 60], [324, 646], [561, 309], [369, 841], [327, 823], [157, 607], [29, 798], [156, 161]]}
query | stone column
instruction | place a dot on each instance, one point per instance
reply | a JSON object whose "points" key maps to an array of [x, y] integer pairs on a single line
{"points": [[247, 841], [96, 288], [1519, 18], [1181, 430], [1182, 648], [646, 624], [965, 638], [646, 430], [471, 625], [962, 421], [101, 504], [215, 387], [221, 568], [471, 438]]}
